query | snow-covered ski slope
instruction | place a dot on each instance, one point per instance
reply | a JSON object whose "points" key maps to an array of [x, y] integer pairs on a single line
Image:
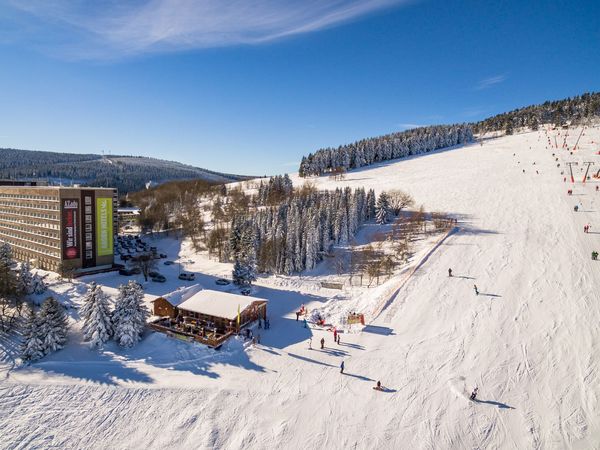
{"points": [[530, 340]]}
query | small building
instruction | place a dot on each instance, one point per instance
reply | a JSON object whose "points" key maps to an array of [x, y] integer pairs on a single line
{"points": [[128, 217], [206, 316]]}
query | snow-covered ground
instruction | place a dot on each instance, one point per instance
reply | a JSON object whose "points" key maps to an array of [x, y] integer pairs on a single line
{"points": [[530, 339]]}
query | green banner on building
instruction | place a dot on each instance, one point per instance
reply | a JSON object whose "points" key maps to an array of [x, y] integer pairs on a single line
{"points": [[104, 226]]}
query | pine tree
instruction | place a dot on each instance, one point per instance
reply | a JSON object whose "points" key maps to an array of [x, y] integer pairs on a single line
{"points": [[32, 347], [53, 325], [382, 214], [39, 286], [97, 323], [243, 241], [8, 278], [370, 204], [25, 281], [130, 314]]}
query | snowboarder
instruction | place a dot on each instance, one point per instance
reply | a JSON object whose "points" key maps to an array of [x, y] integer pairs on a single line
{"points": [[474, 393], [322, 343], [449, 272], [378, 387], [476, 290], [342, 367]]}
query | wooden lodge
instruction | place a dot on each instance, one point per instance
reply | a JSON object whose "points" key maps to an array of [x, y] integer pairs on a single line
{"points": [[206, 316]]}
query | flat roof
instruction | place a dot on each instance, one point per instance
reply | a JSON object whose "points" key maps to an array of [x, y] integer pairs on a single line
{"points": [[219, 304]]}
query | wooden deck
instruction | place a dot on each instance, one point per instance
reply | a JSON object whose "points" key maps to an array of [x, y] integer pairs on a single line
{"points": [[211, 339]]}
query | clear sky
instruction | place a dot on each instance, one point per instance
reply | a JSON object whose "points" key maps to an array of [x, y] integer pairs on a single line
{"points": [[249, 86]]}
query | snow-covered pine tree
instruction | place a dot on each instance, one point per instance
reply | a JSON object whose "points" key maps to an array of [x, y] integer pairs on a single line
{"points": [[8, 278], [39, 286], [243, 238], [97, 322], [130, 314], [370, 205], [32, 347], [25, 281], [382, 214], [53, 325]]}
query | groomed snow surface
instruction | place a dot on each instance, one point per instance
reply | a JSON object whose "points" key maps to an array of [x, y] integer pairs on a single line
{"points": [[529, 340]]}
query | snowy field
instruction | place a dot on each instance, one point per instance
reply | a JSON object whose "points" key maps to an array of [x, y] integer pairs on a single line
{"points": [[530, 340]]}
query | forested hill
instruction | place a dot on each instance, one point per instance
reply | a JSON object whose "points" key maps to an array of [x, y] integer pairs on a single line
{"points": [[127, 173], [574, 110]]}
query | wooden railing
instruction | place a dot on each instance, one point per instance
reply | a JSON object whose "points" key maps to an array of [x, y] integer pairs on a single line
{"points": [[211, 341]]}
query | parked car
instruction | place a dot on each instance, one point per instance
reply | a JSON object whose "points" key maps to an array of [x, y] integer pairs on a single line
{"points": [[136, 270], [246, 291], [222, 282], [187, 276], [126, 272], [168, 263], [163, 255], [159, 279], [153, 274]]}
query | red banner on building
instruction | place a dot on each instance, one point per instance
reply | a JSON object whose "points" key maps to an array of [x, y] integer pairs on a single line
{"points": [[70, 218]]}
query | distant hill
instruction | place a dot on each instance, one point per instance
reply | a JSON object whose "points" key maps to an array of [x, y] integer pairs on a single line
{"points": [[573, 110], [127, 173]]}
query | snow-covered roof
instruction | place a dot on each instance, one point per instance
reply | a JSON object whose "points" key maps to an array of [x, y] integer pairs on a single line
{"points": [[218, 304], [179, 296]]}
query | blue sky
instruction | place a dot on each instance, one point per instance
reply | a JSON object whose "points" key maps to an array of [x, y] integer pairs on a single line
{"points": [[251, 86]]}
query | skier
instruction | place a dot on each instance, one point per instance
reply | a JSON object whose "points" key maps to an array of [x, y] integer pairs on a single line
{"points": [[305, 323], [338, 339], [474, 393], [342, 367], [322, 343], [597, 188], [449, 272], [310, 343], [476, 290], [334, 335]]}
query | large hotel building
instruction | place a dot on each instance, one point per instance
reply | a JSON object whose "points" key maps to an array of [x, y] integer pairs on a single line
{"points": [[59, 228]]}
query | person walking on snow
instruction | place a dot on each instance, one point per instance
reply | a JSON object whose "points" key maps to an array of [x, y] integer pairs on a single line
{"points": [[476, 290], [449, 272], [342, 367], [474, 393]]}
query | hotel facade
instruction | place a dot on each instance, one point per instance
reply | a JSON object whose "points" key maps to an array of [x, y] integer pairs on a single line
{"points": [[59, 228]]}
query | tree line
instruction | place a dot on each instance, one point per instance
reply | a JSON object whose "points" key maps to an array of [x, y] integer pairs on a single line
{"points": [[383, 148], [573, 110]]}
